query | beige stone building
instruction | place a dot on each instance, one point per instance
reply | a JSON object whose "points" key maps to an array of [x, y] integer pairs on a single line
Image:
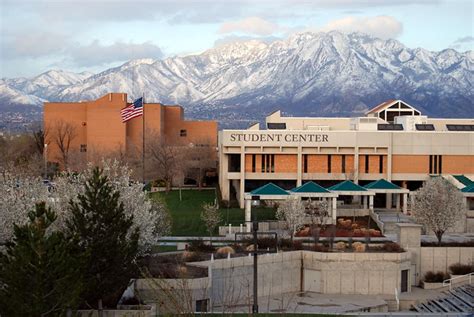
{"points": [[394, 141]]}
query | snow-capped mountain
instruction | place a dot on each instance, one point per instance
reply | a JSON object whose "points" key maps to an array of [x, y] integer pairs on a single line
{"points": [[306, 74]]}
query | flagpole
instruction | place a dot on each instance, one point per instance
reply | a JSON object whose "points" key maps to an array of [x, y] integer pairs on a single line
{"points": [[143, 141]]}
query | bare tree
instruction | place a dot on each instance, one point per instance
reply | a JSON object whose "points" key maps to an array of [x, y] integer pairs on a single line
{"points": [[63, 133], [211, 217], [438, 205], [292, 211], [163, 160], [39, 135], [201, 156]]}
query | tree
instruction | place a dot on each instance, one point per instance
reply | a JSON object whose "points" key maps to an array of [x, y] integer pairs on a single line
{"points": [[292, 212], [163, 160], [211, 217], [63, 133], [317, 209], [19, 193], [104, 233], [39, 273], [439, 205], [201, 156]]}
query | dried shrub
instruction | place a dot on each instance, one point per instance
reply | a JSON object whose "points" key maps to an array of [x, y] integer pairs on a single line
{"points": [[225, 250], [358, 247], [461, 269], [318, 247], [200, 246], [189, 256], [263, 243], [392, 247], [438, 277], [341, 245], [297, 245]]}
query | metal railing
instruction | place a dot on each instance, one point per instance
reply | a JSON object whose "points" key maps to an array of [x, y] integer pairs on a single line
{"points": [[450, 280]]}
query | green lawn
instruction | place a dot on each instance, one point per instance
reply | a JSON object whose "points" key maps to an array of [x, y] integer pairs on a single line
{"points": [[186, 213]]}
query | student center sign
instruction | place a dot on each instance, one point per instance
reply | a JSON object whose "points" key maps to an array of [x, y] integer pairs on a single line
{"points": [[279, 137]]}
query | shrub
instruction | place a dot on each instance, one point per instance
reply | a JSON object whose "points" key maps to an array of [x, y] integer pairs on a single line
{"points": [[200, 246], [225, 250], [392, 247], [341, 245], [438, 277], [297, 245], [358, 247], [263, 243], [461, 269], [319, 248]]}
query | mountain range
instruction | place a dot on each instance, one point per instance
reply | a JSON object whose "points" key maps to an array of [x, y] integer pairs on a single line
{"points": [[307, 74]]}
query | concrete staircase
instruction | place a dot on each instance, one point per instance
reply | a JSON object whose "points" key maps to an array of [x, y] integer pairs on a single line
{"points": [[457, 300], [390, 218]]}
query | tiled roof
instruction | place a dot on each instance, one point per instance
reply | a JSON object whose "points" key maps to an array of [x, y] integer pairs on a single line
{"points": [[381, 184], [269, 189], [347, 186], [310, 187]]}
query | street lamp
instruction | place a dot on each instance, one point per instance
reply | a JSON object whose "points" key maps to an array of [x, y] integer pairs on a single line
{"points": [[255, 202], [45, 154]]}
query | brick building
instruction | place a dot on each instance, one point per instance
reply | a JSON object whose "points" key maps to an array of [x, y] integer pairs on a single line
{"points": [[394, 141], [97, 127]]}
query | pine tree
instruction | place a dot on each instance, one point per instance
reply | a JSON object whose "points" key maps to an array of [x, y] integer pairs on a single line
{"points": [[102, 230], [39, 276]]}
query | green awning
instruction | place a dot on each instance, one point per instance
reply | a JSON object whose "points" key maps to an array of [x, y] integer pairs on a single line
{"points": [[310, 187], [382, 184], [463, 180], [468, 189], [348, 186], [269, 189]]}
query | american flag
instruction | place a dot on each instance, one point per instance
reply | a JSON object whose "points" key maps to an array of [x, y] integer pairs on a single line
{"points": [[132, 111]]}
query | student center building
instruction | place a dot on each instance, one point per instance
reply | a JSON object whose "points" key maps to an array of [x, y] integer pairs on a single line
{"points": [[394, 142]]}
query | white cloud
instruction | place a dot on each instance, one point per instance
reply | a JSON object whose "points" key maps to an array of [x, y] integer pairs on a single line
{"points": [[382, 26], [250, 25]]}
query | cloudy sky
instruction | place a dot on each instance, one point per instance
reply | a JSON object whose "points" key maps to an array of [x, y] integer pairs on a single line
{"points": [[80, 35]]}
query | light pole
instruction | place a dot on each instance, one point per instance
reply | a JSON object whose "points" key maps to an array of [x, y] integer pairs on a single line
{"points": [[255, 201], [45, 154]]}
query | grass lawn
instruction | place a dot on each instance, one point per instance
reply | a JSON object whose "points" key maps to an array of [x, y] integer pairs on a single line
{"points": [[186, 214]]}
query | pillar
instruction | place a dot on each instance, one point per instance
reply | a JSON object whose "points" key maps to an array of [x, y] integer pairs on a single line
{"points": [[242, 176], [388, 203], [397, 202], [334, 210], [248, 213], [364, 200], [371, 204], [405, 203], [299, 175]]}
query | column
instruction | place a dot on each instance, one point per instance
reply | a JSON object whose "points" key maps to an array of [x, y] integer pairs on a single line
{"points": [[397, 202], [388, 203], [334, 210], [364, 199], [242, 176], [405, 203], [248, 213], [371, 204], [299, 175]]}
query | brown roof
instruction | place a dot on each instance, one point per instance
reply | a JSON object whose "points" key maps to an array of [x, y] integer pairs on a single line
{"points": [[380, 106]]}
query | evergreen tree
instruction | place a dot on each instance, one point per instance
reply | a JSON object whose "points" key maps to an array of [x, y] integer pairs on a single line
{"points": [[39, 276], [102, 229]]}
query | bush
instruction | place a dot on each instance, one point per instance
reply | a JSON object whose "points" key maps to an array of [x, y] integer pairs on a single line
{"points": [[320, 248], [341, 245], [358, 247], [263, 243], [438, 277], [200, 246], [297, 245], [461, 269], [392, 247]]}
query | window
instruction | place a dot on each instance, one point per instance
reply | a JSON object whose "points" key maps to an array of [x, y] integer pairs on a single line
{"points": [[276, 126], [254, 158], [460, 127], [183, 132], [305, 163], [389, 127], [83, 148], [201, 305], [424, 127], [268, 163], [366, 164], [343, 164], [381, 164], [234, 163], [329, 163], [436, 164]]}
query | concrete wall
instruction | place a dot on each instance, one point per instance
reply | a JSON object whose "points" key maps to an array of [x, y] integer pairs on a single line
{"points": [[354, 273], [440, 258]]}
